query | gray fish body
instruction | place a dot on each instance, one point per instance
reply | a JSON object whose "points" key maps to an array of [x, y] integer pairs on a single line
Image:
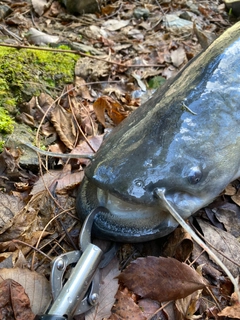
{"points": [[185, 139]]}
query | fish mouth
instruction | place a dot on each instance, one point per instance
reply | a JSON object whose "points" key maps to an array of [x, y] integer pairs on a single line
{"points": [[123, 221]]}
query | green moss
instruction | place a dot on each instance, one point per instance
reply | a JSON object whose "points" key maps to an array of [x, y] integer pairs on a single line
{"points": [[25, 73], [156, 82], [6, 122], [1, 145]]}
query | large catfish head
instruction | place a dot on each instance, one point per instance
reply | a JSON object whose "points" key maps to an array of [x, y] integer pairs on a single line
{"points": [[186, 139]]}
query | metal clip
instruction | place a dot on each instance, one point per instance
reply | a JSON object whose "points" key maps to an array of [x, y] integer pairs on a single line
{"points": [[80, 292]]}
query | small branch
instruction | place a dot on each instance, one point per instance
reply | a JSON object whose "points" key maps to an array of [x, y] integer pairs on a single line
{"points": [[57, 155], [18, 46]]}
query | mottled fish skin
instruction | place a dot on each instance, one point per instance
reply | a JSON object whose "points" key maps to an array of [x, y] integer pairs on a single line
{"points": [[186, 139]]}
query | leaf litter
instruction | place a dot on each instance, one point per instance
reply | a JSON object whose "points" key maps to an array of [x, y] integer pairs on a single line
{"points": [[122, 50]]}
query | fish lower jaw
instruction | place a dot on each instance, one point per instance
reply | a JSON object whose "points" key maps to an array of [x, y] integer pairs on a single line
{"points": [[132, 215]]}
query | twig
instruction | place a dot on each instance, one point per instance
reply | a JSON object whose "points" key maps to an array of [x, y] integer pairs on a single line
{"points": [[18, 46], [29, 245], [57, 155]]}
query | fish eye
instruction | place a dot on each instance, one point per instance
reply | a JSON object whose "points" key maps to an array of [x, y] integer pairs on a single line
{"points": [[195, 175]]}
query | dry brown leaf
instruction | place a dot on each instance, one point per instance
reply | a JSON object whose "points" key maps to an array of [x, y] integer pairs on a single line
{"points": [[14, 302], [35, 285], [35, 36], [149, 307], [107, 291], [229, 215], [205, 38], [179, 245], [10, 207], [232, 312], [84, 148], [169, 72], [224, 243], [63, 123], [99, 106], [39, 107], [91, 69], [39, 6], [61, 181], [230, 190], [107, 10], [126, 308], [115, 24], [161, 279], [112, 107], [189, 305], [20, 224], [178, 57], [82, 89], [25, 222], [236, 198], [9, 160]]}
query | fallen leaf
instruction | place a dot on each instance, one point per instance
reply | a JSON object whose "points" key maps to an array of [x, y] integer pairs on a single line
{"points": [[91, 69], [232, 312], [64, 124], [178, 57], [230, 190], [10, 207], [35, 285], [229, 215], [112, 107], [39, 6], [224, 245], [61, 181], [161, 279], [107, 290], [82, 89], [25, 222], [149, 307], [14, 302], [114, 24], [84, 146], [37, 37], [179, 245], [125, 307], [189, 305]]}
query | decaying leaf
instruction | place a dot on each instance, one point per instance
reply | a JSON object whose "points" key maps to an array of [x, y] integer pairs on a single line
{"points": [[35, 285], [107, 291], [112, 107], [10, 206], [39, 6], [223, 242], [229, 215], [161, 279], [21, 222], [64, 125], [149, 307], [14, 302], [232, 312], [126, 306], [84, 146], [114, 24], [37, 37], [189, 305], [88, 68], [178, 57], [179, 245], [82, 89], [61, 181]]}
